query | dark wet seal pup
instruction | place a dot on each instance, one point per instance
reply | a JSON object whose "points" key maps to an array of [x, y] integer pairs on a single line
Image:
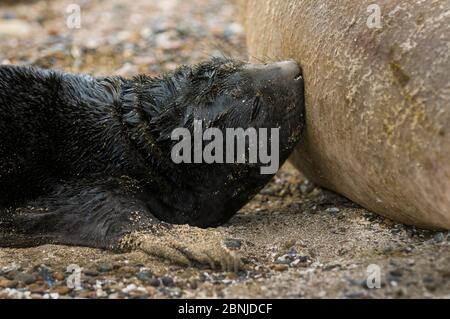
{"points": [[86, 161]]}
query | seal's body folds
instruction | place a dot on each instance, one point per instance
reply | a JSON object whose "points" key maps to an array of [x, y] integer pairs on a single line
{"points": [[85, 161]]}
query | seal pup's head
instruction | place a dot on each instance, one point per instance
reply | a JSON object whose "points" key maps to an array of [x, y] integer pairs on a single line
{"points": [[219, 94]]}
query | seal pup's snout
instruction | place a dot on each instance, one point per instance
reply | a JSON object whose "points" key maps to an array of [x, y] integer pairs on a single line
{"points": [[279, 87], [284, 72], [289, 69]]}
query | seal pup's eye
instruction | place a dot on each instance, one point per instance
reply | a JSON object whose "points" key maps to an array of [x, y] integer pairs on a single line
{"points": [[255, 107]]}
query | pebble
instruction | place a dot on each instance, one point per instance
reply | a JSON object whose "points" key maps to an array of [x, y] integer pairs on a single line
{"points": [[127, 69], [105, 267], [25, 278], [233, 29], [306, 188], [129, 288], [14, 28], [331, 266], [37, 288], [439, 238], [232, 243], [100, 293], [280, 267], [59, 276], [62, 290], [167, 281], [11, 274], [332, 210], [193, 284], [284, 260], [155, 282], [396, 273], [145, 276], [6, 283], [167, 41], [151, 291], [128, 269], [393, 280], [358, 282], [289, 244], [91, 273]]}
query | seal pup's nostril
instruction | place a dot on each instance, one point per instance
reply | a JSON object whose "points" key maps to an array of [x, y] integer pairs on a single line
{"points": [[299, 77]]}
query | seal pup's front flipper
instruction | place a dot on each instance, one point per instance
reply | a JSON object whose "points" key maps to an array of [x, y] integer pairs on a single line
{"points": [[113, 214], [187, 246], [87, 212]]}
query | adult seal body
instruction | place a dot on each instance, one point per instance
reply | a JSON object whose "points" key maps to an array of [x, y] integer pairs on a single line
{"points": [[377, 98], [86, 161]]}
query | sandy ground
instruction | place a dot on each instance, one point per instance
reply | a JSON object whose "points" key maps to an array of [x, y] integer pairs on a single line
{"points": [[293, 240]]}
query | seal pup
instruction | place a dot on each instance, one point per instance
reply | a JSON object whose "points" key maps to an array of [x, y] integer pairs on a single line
{"points": [[87, 161]]}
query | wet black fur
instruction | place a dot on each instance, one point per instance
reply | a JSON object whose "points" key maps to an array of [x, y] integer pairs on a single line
{"points": [[80, 155]]}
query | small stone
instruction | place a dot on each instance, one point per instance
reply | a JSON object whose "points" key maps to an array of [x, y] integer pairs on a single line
{"points": [[396, 273], [280, 267], [11, 274], [62, 290], [91, 273], [36, 288], [439, 238], [284, 260], [306, 188], [6, 283], [155, 282], [232, 243], [332, 210], [36, 296], [151, 291], [105, 267], [289, 245], [14, 28], [232, 30], [232, 275], [128, 271], [393, 280], [193, 284], [167, 281], [167, 41], [129, 288], [100, 293], [145, 276], [25, 278], [331, 266], [127, 70], [59, 276]]}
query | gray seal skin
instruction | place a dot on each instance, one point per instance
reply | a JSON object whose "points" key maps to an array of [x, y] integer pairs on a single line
{"points": [[85, 161]]}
